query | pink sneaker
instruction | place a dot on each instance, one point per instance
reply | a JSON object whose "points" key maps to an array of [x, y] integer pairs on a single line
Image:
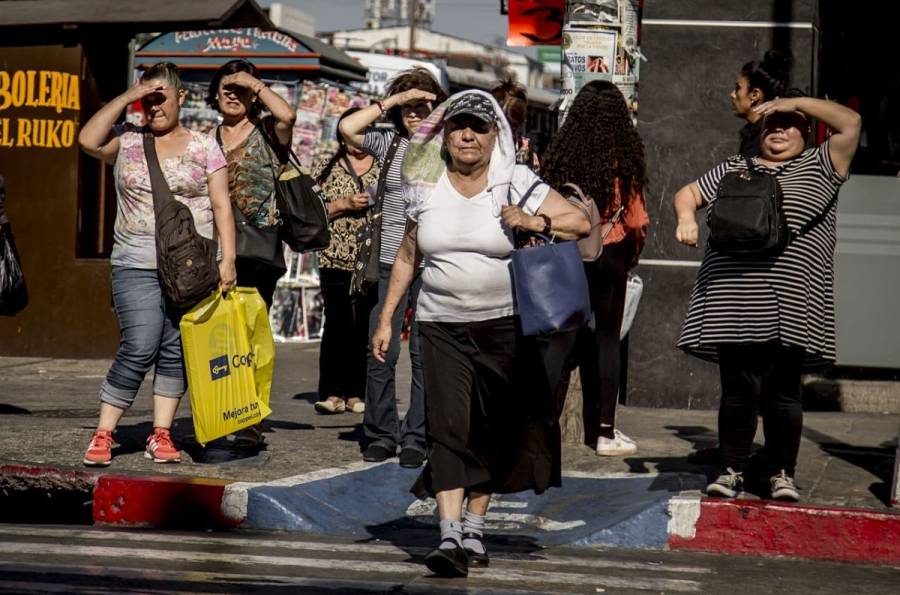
{"points": [[99, 451], [160, 448]]}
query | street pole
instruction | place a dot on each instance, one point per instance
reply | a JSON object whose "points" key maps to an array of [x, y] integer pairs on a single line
{"points": [[413, 21]]}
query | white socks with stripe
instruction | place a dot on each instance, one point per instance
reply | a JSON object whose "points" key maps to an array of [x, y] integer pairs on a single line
{"points": [[473, 525], [451, 534]]}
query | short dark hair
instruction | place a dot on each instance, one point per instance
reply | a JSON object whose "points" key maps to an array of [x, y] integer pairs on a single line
{"points": [[513, 100], [414, 78], [232, 67]]}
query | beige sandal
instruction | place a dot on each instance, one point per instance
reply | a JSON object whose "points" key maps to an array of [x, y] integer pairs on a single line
{"points": [[331, 405], [355, 405]]}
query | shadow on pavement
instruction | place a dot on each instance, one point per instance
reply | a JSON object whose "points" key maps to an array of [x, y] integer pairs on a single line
{"points": [[876, 460]]}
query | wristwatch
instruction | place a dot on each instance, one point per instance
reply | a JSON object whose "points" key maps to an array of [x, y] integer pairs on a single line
{"points": [[546, 230]]}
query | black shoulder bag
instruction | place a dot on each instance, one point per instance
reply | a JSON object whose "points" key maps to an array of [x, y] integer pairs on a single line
{"points": [[262, 244], [368, 239], [747, 219], [300, 203], [186, 260]]}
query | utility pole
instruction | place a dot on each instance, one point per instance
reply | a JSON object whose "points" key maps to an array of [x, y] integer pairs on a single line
{"points": [[413, 21]]}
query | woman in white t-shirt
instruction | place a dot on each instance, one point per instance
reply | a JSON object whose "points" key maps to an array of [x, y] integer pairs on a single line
{"points": [[486, 432]]}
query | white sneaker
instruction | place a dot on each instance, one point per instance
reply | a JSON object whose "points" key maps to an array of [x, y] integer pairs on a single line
{"points": [[620, 445], [783, 487], [728, 485]]}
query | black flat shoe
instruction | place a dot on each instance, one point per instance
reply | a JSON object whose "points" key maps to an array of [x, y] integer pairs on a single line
{"points": [[448, 563], [475, 558]]}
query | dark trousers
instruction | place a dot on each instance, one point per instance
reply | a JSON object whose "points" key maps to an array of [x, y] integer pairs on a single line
{"points": [[761, 378], [253, 273], [381, 422], [597, 350], [342, 355]]}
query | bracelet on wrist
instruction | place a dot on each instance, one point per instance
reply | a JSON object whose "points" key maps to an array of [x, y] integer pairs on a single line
{"points": [[260, 89], [379, 104]]}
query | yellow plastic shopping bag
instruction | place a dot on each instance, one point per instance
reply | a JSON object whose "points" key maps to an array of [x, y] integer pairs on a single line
{"points": [[220, 360], [261, 340]]}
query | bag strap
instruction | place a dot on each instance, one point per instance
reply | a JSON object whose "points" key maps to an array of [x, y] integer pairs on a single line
{"points": [[382, 175], [162, 194], [749, 161], [611, 223], [279, 150], [349, 167], [809, 225], [577, 190], [234, 206], [528, 193]]}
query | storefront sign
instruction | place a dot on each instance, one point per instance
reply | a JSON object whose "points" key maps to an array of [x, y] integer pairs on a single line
{"points": [[234, 40], [535, 22], [26, 97]]}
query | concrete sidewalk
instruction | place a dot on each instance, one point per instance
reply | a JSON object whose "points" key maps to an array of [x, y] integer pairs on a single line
{"points": [[49, 408]]}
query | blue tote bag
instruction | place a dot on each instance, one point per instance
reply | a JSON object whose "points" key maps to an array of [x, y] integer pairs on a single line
{"points": [[550, 285]]}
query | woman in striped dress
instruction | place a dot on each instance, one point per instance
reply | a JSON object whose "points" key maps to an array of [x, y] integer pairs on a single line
{"points": [[767, 320]]}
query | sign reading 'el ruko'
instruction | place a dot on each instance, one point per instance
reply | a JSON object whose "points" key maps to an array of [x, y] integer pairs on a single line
{"points": [[35, 108]]}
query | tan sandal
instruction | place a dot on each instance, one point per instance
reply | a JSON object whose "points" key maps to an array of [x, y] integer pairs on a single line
{"points": [[355, 405], [331, 405]]}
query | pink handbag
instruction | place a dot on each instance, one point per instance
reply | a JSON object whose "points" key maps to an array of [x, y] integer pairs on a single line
{"points": [[591, 246]]}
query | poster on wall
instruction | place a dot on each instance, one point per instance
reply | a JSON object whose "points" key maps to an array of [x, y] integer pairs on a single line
{"points": [[535, 22], [588, 54], [594, 12]]}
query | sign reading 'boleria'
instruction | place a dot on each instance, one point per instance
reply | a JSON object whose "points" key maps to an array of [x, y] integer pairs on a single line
{"points": [[38, 91]]}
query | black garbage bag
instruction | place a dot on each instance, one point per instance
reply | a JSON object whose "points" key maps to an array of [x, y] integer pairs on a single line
{"points": [[13, 294]]}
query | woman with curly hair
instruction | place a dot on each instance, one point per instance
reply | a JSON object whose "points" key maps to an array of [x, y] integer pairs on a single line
{"points": [[599, 150]]}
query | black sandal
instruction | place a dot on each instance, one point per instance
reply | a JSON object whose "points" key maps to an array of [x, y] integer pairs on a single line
{"points": [[476, 558], [450, 562]]}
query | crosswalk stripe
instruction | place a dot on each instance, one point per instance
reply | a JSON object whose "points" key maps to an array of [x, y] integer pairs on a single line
{"points": [[380, 567], [320, 546], [205, 577]]}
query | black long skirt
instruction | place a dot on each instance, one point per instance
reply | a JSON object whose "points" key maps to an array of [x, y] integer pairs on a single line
{"points": [[490, 420]]}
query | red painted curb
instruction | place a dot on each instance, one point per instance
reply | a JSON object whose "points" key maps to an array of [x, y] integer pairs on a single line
{"points": [[37, 471], [160, 502], [770, 528]]}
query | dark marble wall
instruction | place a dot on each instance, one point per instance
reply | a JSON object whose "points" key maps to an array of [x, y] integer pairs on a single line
{"points": [[687, 125]]}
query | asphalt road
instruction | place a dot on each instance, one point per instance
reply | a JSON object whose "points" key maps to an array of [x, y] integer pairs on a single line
{"points": [[54, 559]]}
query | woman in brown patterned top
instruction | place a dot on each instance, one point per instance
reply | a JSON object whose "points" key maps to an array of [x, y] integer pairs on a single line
{"points": [[252, 146], [236, 91], [348, 179]]}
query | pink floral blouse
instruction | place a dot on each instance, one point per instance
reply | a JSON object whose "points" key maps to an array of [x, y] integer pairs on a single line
{"points": [[134, 244]]}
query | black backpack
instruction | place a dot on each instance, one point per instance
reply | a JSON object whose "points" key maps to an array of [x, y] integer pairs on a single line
{"points": [[186, 260], [747, 218]]}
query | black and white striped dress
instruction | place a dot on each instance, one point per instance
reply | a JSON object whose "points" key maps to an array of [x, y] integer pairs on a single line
{"points": [[788, 298]]}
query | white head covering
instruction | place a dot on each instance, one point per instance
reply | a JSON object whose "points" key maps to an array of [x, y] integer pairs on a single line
{"points": [[424, 165]]}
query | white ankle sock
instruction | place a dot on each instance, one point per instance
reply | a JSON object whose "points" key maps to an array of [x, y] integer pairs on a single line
{"points": [[473, 525], [450, 530]]}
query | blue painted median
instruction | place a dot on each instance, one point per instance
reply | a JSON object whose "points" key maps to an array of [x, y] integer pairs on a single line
{"points": [[624, 511]]}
